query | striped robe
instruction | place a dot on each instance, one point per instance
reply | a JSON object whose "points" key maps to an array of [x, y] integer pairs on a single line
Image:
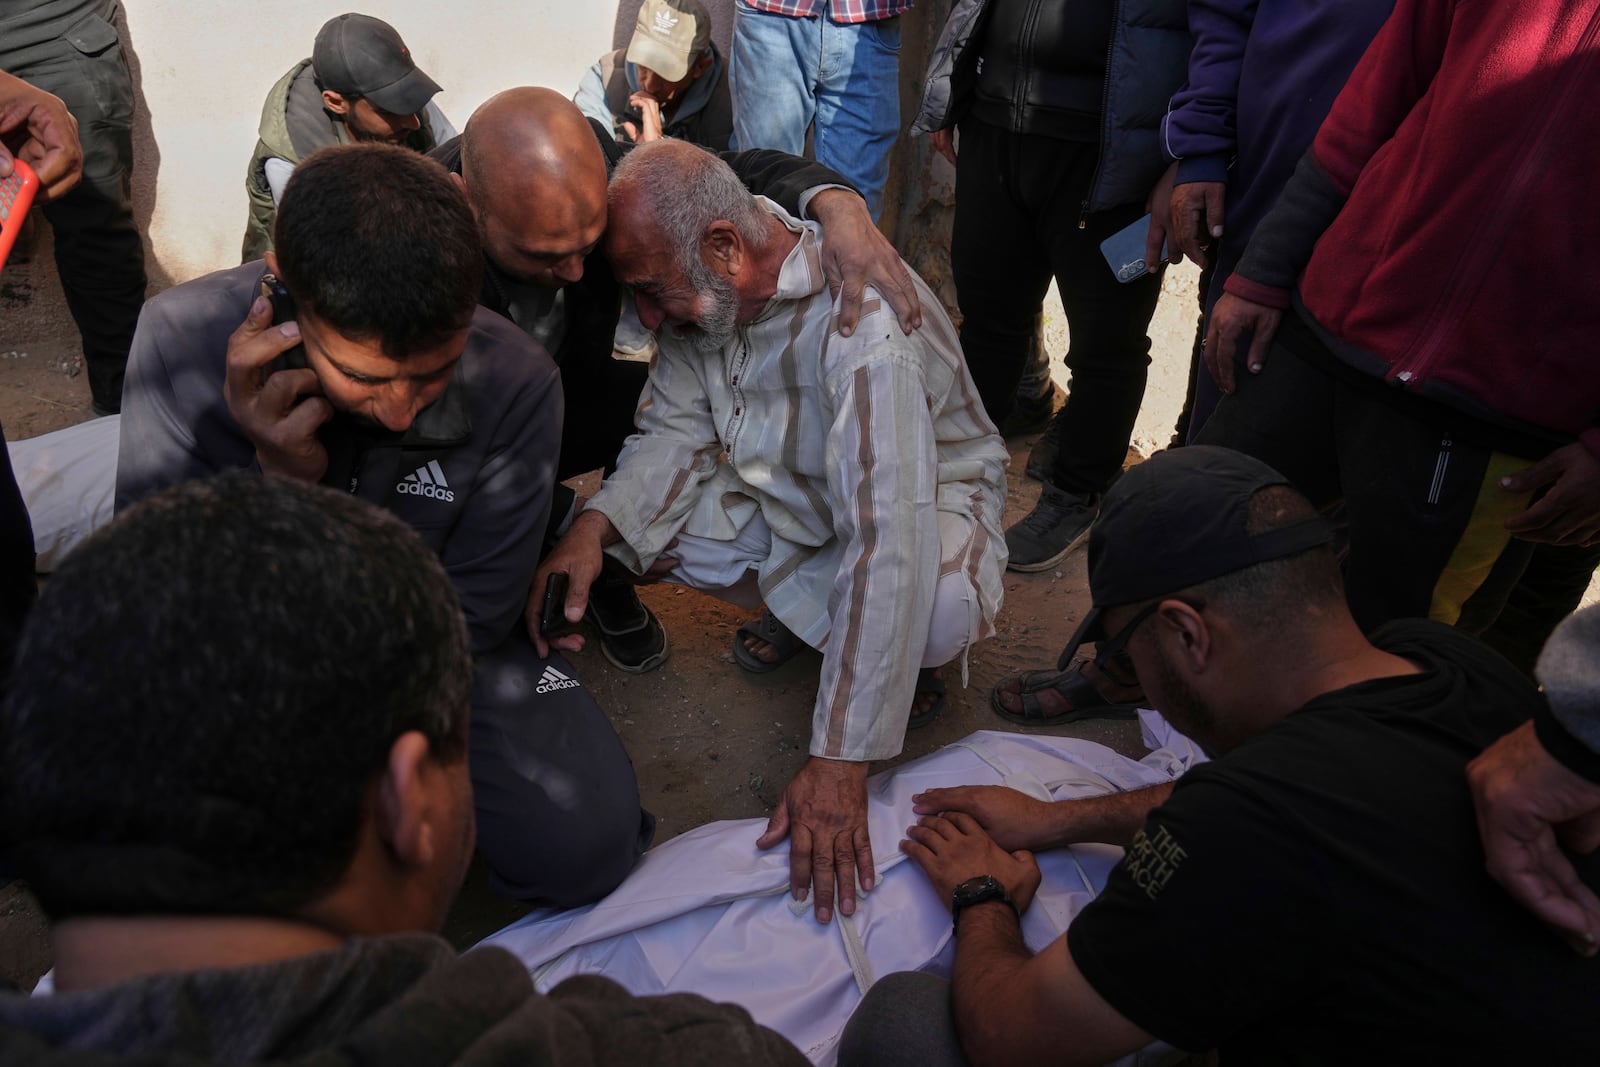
{"points": [[848, 447]]}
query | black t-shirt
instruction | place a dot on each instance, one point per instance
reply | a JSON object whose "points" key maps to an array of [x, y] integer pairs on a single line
{"points": [[1318, 896]]}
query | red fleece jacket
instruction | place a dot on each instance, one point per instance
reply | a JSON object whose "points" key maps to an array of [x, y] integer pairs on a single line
{"points": [[1467, 143]]}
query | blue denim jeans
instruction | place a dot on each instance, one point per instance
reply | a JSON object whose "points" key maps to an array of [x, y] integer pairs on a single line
{"points": [[791, 74]]}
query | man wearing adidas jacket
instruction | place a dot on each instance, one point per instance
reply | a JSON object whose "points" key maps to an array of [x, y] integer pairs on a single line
{"points": [[392, 384], [1429, 276]]}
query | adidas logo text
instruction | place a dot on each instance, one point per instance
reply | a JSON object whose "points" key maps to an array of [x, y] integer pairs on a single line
{"points": [[553, 679], [427, 480]]}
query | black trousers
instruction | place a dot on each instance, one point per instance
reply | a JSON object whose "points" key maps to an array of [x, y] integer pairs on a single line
{"points": [[98, 252], [1420, 485], [559, 820], [18, 584], [1019, 202]]}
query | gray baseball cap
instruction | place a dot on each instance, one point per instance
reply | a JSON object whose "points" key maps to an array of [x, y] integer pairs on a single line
{"points": [[358, 55]]}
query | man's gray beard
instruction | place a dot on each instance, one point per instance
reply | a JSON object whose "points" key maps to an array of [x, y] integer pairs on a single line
{"points": [[716, 325]]}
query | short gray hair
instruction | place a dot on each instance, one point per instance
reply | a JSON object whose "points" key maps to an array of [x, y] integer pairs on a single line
{"points": [[685, 192]]}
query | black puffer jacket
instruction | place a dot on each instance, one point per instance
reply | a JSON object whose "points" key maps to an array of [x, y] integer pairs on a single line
{"points": [[1044, 43]]}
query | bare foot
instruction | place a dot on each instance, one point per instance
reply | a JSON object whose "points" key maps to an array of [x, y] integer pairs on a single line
{"points": [[921, 702], [764, 651]]}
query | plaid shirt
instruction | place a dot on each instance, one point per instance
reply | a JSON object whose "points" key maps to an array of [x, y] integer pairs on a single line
{"points": [[838, 10]]}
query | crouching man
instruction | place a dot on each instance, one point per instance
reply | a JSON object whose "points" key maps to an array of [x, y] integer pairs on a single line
{"points": [[387, 381], [1314, 895], [852, 483], [246, 815]]}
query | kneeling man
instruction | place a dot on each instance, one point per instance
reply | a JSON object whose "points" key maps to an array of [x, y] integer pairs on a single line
{"points": [[1315, 894], [852, 483], [387, 381]]}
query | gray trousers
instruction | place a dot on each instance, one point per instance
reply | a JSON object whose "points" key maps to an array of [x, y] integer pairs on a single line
{"points": [[559, 820], [905, 1020], [99, 255]]}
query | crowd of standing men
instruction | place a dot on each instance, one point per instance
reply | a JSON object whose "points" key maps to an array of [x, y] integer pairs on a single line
{"points": [[1339, 588]]}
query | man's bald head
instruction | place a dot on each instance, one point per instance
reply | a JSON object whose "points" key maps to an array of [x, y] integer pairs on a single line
{"points": [[537, 180]]}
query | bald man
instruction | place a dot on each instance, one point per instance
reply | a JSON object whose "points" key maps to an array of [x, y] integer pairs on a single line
{"points": [[536, 170]]}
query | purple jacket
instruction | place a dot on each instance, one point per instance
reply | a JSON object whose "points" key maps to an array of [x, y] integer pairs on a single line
{"points": [[1262, 77]]}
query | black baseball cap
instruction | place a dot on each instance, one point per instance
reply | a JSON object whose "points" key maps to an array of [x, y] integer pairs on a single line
{"points": [[1179, 519], [358, 55]]}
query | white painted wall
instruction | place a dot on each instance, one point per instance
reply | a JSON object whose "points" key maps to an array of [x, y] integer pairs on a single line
{"points": [[201, 69], [205, 67]]}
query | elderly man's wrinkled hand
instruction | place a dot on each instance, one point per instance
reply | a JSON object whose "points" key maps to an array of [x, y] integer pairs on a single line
{"points": [[1528, 805], [823, 813], [856, 254], [579, 555]]}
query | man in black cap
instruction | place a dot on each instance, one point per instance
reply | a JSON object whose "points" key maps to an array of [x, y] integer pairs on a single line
{"points": [[1314, 893], [360, 84]]}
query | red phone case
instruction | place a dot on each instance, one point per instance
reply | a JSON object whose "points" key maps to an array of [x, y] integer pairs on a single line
{"points": [[16, 196]]}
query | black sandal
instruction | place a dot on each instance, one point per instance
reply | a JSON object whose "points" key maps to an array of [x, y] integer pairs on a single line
{"points": [[1083, 700], [765, 627]]}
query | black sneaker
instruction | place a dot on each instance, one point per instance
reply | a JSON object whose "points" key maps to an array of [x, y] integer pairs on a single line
{"points": [[631, 636], [1058, 523], [1042, 457]]}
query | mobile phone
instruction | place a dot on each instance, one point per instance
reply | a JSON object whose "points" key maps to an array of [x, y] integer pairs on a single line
{"points": [[282, 311], [621, 119], [1124, 250], [16, 196], [553, 614]]}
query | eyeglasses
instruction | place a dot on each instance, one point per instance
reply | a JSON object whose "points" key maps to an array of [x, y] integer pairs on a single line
{"points": [[1112, 659]]}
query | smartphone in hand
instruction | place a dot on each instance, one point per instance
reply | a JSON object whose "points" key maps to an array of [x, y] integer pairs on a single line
{"points": [[282, 311], [16, 196], [1124, 250], [553, 613]]}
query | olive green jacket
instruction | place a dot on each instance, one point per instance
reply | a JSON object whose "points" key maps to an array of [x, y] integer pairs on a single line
{"points": [[293, 125]]}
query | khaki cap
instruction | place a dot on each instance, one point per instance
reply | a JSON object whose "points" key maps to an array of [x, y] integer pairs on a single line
{"points": [[669, 36]]}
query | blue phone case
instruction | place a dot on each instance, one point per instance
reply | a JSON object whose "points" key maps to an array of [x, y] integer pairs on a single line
{"points": [[1124, 250]]}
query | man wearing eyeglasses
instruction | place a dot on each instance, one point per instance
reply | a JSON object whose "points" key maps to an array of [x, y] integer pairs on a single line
{"points": [[1315, 894]]}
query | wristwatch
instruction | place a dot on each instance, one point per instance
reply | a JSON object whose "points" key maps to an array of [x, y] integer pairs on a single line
{"points": [[979, 890]]}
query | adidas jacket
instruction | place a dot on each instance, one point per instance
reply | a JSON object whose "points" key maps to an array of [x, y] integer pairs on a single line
{"points": [[472, 476]]}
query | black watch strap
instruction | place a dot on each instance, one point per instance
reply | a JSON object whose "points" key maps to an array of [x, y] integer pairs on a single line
{"points": [[979, 890]]}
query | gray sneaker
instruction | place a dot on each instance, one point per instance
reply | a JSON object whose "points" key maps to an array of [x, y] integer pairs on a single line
{"points": [[1058, 523]]}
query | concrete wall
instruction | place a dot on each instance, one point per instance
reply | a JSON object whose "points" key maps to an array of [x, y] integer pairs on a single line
{"points": [[200, 73]]}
